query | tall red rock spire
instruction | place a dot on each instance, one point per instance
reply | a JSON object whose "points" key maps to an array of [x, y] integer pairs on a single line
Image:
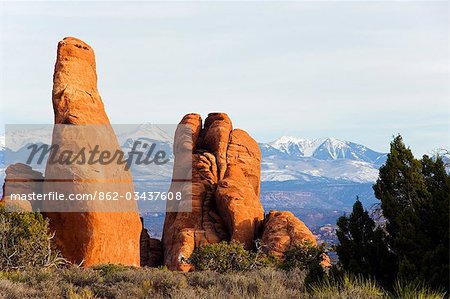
{"points": [[91, 237]]}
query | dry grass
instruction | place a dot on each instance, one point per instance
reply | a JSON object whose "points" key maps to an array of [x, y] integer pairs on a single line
{"points": [[128, 282]]}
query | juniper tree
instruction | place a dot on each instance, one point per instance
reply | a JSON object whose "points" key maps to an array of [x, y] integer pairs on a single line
{"points": [[414, 196], [362, 249]]}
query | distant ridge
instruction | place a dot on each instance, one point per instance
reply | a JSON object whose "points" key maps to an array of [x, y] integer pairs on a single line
{"points": [[322, 148], [285, 159], [318, 160]]}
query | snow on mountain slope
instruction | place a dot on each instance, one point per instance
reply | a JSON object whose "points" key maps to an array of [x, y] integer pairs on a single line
{"points": [[294, 146], [293, 158], [145, 132], [285, 159], [311, 169], [321, 148], [19, 137]]}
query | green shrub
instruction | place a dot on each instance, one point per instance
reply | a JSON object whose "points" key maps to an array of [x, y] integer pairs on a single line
{"points": [[81, 277], [308, 257], [225, 257], [359, 286], [167, 282], [350, 286], [79, 293], [25, 241], [303, 255], [416, 291], [108, 269]]}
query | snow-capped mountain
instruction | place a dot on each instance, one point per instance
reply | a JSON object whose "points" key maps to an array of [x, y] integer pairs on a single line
{"points": [[145, 132], [161, 136], [292, 158], [317, 179], [285, 159], [288, 147], [20, 136]]}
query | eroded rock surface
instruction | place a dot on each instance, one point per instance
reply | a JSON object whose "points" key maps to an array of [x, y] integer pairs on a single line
{"points": [[92, 237], [282, 230], [21, 180], [225, 188]]}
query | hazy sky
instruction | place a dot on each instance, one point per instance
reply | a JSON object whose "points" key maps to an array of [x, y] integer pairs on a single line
{"points": [[356, 71]]}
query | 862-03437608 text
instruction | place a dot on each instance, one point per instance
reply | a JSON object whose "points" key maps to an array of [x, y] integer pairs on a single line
{"points": [[99, 195]]}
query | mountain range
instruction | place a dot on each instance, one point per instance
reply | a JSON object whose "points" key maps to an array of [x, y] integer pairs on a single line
{"points": [[322, 159], [322, 148], [317, 179], [285, 159]]}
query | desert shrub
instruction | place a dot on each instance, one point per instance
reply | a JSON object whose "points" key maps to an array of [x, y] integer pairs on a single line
{"points": [[270, 283], [13, 290], [81, 277], [133, 275], [308, 257], [225, 257], [31, 283], [315, 273], [203, 279], [133, 282], [303, 256], [75, 282], [166, 282], [26, 242], [108, 269], [359, 286], [416, 291], [259, 283], [15, 276], [293, 279], [79, 293], [122, 289], [349, 286]]}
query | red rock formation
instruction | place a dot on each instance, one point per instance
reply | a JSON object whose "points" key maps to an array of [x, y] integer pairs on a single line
{"points": [[282, 230], [225, 188], [244, 151], [239, 206], [91, 237], [21, 179]]}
